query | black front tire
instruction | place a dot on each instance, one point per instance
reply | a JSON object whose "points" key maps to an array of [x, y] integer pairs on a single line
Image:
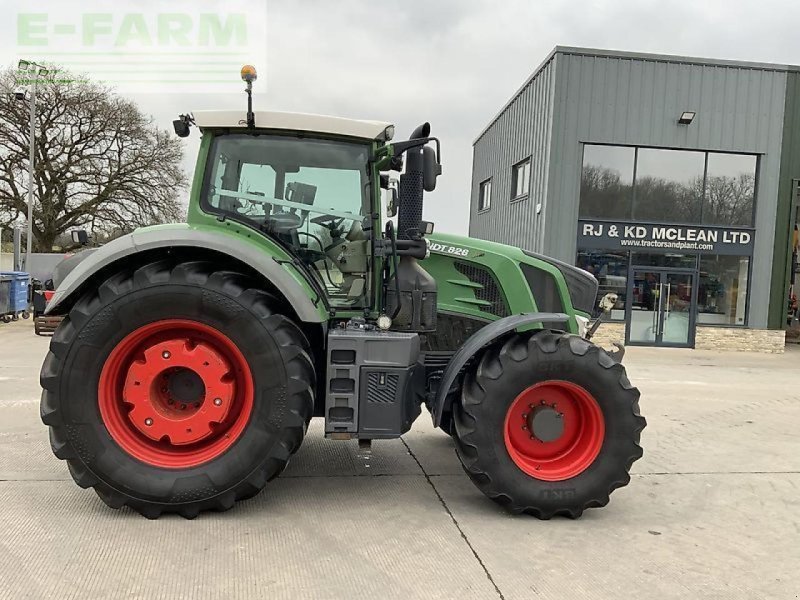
{"points": [[503, 373], [275, 348]]}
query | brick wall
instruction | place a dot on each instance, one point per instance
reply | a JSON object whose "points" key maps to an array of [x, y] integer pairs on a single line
{"points": [[710, 338], [741, 340]]}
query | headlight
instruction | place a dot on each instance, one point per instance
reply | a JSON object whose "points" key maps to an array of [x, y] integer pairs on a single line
{"points": [[583, 325]]}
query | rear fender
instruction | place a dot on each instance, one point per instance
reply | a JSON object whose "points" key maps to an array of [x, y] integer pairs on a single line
{"points": [[478, 340], [257, 256]]}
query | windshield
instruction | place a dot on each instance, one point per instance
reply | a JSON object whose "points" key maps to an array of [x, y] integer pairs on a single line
{"points": [[308, 194]]}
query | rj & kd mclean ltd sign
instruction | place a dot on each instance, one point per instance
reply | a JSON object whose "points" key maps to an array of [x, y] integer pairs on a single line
{"points": [[608, 235]]}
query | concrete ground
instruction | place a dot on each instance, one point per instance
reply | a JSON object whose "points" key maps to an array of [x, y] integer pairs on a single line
{"points": [[712, 510]]}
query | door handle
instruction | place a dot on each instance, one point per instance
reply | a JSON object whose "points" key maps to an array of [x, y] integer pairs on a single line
{"points": [[657, 311]]}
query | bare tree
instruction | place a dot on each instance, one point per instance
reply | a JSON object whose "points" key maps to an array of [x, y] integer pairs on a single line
{"points": [[729, 199], [101, 164]]}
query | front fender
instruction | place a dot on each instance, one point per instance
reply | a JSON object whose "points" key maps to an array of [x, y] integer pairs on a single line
{"points": [[478, 340], [180, 235]]}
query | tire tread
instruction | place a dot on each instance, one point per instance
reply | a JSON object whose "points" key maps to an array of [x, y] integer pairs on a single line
{"points": [[293, 346], [491, 366]]}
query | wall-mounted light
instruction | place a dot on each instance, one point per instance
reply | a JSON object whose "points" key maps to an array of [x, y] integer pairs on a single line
{"points": [[686, 117]]}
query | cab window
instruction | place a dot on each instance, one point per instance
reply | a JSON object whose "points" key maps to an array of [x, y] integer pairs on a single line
{"points": [[308, 194]]}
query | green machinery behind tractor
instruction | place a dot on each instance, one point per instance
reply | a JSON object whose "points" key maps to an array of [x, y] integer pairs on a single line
{"points": [[191, 357]]}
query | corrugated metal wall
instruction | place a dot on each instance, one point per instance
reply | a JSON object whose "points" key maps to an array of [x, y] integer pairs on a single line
{"points": [[523, 129], [621, 98]]}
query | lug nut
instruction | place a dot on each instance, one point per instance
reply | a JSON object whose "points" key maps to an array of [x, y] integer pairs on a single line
{"points": [[217, 401], [165, 354], [148, 421], [524, 426]]}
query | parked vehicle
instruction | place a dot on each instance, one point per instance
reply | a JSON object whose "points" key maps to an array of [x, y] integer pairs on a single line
{"points": [[192, 356]]}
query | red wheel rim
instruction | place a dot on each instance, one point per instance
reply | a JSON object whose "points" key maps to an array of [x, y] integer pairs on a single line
{"points": [[554, 430], [175, 393]]}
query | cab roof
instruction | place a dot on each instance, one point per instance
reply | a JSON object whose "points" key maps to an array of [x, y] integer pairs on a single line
{"points": [[373, 130]]}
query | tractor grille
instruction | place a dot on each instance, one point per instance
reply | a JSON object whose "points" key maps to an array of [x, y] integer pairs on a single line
{"points": [[489, 290], [451, 333]]}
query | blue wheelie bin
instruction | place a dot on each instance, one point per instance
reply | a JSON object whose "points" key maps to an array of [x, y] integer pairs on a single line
{"points": [[18, 298], [5, 293]]}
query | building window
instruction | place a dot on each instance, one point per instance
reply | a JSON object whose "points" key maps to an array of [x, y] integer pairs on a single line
{"points": [[607, 182], [722, 290], [485, 195], [610, 268], [520, 179], [667, 186], [730, 189]]}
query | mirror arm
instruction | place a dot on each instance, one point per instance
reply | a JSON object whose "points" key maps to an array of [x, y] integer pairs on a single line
{"points": [[401, 147]]}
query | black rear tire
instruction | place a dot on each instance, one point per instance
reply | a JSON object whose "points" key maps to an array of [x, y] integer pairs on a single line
{"points": [[506, 371], [275, 349]]}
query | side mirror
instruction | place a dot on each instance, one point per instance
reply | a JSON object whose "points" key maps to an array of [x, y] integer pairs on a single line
{"points": [[181, 128], [79, 236], [392, 201], [182, 124], [431, 169]]}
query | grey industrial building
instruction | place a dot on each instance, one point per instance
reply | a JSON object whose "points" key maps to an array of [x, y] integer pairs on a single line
{"points": [[672, 179]]}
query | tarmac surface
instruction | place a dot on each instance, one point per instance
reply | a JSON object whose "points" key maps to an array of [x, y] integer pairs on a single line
{"points": [[712, 510]]}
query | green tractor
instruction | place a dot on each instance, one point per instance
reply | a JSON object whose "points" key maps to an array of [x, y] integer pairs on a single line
{"points": [[191, 357]]}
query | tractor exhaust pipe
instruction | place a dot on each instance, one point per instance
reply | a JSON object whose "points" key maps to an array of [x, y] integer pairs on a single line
{"points": [[409, 215], [411, 293]]}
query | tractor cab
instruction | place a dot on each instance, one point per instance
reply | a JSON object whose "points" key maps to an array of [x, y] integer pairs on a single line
{"points": [[302, 180]]}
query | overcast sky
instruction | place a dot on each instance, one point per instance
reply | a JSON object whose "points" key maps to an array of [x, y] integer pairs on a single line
{"points": [[456, 62]]}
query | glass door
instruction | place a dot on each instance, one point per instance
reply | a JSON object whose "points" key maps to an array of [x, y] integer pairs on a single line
{"points": [[660, 308], [676, 309], [644, 307]]}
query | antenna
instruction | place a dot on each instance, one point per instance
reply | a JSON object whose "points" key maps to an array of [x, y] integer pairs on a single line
{"points": [[249, 76]]}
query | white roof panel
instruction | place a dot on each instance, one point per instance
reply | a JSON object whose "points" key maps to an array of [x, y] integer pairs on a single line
{"points": [[293, 122]]}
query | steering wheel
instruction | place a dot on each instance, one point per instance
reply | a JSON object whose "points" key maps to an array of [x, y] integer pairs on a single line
{"points": [[329, 221]]}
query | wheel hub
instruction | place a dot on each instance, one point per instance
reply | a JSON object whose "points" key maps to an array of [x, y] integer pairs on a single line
{"points": [[545, 423], [185, 386], [169, 391], [554, 430], [175, 393]]}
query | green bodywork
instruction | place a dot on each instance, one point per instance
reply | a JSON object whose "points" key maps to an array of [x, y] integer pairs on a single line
{"points": [[459, 295]]}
